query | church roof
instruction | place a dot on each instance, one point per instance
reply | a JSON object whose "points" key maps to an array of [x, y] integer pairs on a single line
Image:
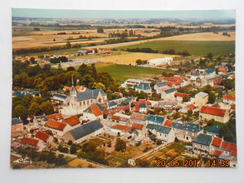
{"points": [[89, 94]]}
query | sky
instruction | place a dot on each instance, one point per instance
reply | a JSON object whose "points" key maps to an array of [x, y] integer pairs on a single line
{"points": [[120, 14]]}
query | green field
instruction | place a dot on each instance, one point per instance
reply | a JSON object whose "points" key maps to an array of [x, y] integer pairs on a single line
{"points": [[123, 72], [195, 48]]}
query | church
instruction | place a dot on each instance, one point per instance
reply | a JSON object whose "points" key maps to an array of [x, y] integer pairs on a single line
{"points": [[77, 102]]}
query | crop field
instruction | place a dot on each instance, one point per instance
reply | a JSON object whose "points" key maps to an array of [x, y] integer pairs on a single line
{"points": [[123, 57], [195, 48], [123, 72]]}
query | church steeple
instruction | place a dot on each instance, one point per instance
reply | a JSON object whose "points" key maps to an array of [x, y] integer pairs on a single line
{"points": [[73, 91]]}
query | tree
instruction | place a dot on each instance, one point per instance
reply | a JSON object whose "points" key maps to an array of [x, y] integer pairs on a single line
{"points": [[100, 30], [47, 108], [20, 111], [34, 109], [120, 145], [73, 149], [210, 56]]}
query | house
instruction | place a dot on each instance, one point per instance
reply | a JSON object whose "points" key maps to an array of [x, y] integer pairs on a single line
{"points": [[43, 136], [138, 117], [215, 146], [72, 121], [112, 105], [214, 130], [180, 97], [59, 97], [84, 132], [94, 112], [77, 102], [159, 87], [201, 99], [223, 149], [202, 144], [56, 127], [168, 123], [119, 129], [163, 133], [31, 142], [186, 132], [144, 87], [55, 116], [154, 119], [229, 99], [17, 127], [83, 52], [131, 83], [214, 113], [168, 94]]}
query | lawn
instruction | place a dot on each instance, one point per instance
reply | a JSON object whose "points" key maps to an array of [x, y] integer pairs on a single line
{"points": [[123, 72], [195, 48]]}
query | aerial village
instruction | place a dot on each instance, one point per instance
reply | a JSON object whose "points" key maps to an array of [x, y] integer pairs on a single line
{"points": [[134, 93], [151, 127]]}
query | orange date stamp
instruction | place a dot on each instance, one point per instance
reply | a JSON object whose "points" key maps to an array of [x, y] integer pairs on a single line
{"points": [[193, 163]]}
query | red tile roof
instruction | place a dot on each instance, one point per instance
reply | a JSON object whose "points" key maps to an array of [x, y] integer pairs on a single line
{"points": [[191, 106], [222, 69], [227, 146], [213, 111], [168, 123], [96, 110], [219, 86], [56, 116], [118, 118], [233, 106], [72, 120], [139, 116], [178, 94], [217, 142], [137, 126], [29, 141], [122, 127], [229, 97], [144, 102], [42, 135], [217, 153], [55, 125]]}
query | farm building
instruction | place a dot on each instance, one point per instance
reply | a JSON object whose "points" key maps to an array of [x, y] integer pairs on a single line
{"points": [[160, 61]]}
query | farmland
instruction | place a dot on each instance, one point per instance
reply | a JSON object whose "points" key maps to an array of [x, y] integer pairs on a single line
{"points": [[123, 72], [123, 57], [195, 48]]}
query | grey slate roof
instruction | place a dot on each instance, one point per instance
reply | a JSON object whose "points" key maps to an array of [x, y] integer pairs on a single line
{"points": [[60, 96], [161, 84], [161, 129], [170, 90], [16, 121], [214, 129], [188, 127], [89, 94], [156, 119], [143, 86], [203, 139], [86, 129]]}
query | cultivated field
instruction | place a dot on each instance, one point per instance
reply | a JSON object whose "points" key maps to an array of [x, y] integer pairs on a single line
{"points": [[195, 48], [122, 57], [43, 38]]}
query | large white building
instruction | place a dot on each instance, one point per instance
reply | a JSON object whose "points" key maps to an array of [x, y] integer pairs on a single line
{"points": [[160, 61]]}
